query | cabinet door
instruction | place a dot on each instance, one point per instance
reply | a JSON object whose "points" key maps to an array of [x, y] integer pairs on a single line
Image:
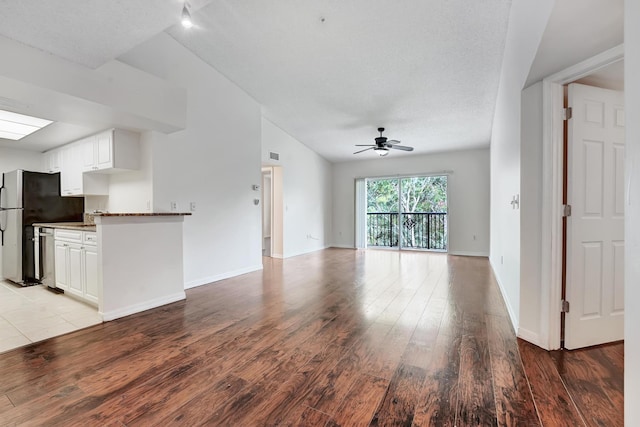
{"points": [[61, 263], [71, 171], [91, 274], [89, 155], [52, 162], [104, 150], [75, 269]]}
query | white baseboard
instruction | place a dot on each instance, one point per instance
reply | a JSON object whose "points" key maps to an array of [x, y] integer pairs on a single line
{"points": [[143, 306], [308, 251], [469, 253], [529, 336], [512, 314], [206, 280], [341, 246]]}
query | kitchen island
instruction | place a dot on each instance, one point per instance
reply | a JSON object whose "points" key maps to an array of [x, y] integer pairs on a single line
{"points": [[140, 261]]}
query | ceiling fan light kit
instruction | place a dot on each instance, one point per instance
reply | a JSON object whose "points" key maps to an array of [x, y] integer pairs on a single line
{"points": [[383, 145]]}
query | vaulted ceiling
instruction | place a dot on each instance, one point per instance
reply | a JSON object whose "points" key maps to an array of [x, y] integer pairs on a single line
{"points": [[329, 72]]}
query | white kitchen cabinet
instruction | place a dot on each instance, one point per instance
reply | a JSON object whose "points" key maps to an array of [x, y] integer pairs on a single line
{"points": [[53, 161], [61, 262], [73, 181], [76, 261], [111, 151], [91, 274], [75, 269]]}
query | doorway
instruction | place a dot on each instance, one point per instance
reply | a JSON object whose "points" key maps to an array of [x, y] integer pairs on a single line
{"points": [[552, 191], [407, 213], [272, 212]]}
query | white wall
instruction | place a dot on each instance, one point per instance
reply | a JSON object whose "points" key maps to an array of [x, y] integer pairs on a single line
{"points": [[133, 191], [527, 22], [213, 162], [18, 159], [468, 194], [632, 215], [306, 191], [531, 214]]}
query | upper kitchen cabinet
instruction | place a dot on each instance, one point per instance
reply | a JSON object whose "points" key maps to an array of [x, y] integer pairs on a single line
{"points": [[53, 161], [73, 181], [111, 151]]}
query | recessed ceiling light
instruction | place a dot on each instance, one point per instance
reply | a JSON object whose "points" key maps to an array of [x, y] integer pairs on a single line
{"points": [[16, 126]]}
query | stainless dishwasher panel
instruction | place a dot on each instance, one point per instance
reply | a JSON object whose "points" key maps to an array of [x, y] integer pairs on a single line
{"points": [[47, 261]]}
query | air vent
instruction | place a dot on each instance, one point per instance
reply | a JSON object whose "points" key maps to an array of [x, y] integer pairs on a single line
{"points": [[274, 156]]}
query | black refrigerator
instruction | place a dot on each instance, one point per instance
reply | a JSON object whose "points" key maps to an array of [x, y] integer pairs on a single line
{"points": [[27, 198]]}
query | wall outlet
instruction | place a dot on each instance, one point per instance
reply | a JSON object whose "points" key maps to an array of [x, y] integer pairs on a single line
{"points": [[148, 205], [192, 206], [173, 206]]}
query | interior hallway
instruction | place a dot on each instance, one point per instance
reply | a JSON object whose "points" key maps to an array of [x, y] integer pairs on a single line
{"points": [[336, 337]]}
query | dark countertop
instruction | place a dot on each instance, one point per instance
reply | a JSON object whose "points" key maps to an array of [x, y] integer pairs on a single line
{"points": [[81, 226]]}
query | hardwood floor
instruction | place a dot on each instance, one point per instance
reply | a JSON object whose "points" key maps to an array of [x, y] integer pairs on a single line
{"points": [[578, 387], [334, 338]]}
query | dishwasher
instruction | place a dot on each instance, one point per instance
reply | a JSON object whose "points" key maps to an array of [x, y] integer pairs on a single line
{"points": [[46, 268]]}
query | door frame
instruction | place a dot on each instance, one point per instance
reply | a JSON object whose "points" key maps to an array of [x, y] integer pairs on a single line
{"points": [[552, 188]]}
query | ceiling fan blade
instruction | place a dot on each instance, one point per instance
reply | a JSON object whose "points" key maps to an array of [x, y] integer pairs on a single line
{"points": [[393, 141], [365, 145], [402, 147], [370, 148]]}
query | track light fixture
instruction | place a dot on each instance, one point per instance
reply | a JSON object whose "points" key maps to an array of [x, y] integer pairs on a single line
{"points": [[186, 17]]}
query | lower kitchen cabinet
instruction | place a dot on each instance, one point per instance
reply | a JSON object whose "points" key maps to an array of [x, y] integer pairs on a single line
{"points": [[76, 261], [91, 274]]}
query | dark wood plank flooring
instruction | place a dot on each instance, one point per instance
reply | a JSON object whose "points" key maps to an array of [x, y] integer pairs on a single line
{"points": [[334, 338], [579, 387]]}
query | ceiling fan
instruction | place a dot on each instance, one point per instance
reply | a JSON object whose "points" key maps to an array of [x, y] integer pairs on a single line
{"points": [[383, 145]]}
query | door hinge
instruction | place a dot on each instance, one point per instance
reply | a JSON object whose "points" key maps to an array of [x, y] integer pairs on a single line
{"points": [[566, 210], [567, 113], [565, 306]]}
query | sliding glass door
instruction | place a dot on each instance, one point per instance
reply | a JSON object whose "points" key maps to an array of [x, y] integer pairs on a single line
{"points": [[407, 213]]}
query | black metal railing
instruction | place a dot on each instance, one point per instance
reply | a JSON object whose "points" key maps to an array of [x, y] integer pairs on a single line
{"points": [[420, 230]]}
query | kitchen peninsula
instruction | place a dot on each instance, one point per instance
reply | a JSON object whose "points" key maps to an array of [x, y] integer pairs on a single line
{"points": [[140, 264], [139, 260]]}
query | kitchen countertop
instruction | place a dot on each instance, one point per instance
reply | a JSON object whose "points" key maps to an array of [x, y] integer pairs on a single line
{"points": [[67, 225], [143, 214]]}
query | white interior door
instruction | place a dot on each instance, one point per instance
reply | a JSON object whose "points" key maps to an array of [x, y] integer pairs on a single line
{"points": [[595, 229]]}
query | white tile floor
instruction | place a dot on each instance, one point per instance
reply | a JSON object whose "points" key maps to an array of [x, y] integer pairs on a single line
{"points": [[34, 313]]}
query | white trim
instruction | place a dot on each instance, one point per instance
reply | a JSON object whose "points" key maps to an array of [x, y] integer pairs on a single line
{"points": [[306, 251], [218, 277], [529, 336], [551, 274], [512, 313], [342, 246], [469, 253], [143, 306]]}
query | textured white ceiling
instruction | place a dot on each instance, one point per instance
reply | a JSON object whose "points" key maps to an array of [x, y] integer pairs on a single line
{"points": [[577, 30], [88, 32], [331, 72]]}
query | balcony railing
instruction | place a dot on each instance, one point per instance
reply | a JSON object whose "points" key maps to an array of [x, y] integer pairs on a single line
{"points": [[420, 230]]}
